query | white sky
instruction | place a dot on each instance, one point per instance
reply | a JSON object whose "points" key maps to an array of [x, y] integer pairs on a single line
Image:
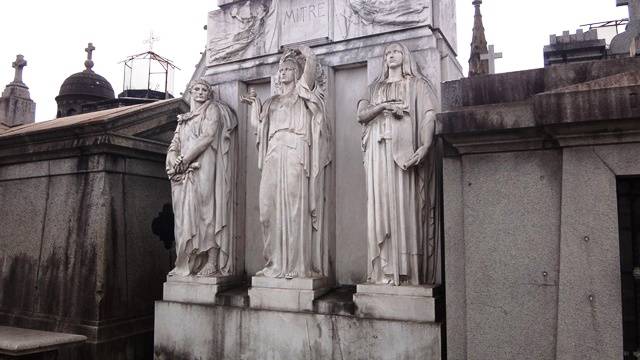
{"points": [[52, 35]]}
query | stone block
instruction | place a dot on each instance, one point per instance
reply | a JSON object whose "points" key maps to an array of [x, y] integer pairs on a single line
{"points": [[295, 283], [15, 111], [34, 344], [405, 303], [188, 331], [286, 294], [196, 290], [306, 21]]}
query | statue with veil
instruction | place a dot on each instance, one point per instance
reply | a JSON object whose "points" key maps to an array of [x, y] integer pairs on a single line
{"points": [[201, 164], [399, 158]]}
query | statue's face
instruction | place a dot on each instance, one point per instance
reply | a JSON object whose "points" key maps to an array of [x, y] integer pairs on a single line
{"points": [[287, 72], [200, 93], [393, 56]]}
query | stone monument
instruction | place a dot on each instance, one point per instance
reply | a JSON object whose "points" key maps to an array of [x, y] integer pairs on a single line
{"points": [[201, 164], [302, 196], [16, 106], [293, 141]]}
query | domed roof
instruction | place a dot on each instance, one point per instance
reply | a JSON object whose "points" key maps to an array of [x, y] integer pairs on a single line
{"points": [[87, 83]]}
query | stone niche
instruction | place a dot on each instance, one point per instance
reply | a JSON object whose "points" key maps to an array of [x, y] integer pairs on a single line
{"points": [[77, 250], [349, 45]]}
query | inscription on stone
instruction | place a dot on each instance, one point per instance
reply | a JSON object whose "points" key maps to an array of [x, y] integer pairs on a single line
{"points": [[305, 20]]}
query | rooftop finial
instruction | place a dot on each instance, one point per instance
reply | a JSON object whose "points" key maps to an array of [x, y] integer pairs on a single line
{"points": [[478, 66], [151, 40], [634, 8], [89, 62], [19, 64]]}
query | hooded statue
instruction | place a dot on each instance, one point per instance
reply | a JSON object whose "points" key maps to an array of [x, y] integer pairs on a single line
{"points": [[400, 165], [201, 164]]}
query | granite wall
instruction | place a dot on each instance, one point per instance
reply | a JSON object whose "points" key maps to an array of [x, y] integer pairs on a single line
{"points": [[532, 254], [77, 251]]}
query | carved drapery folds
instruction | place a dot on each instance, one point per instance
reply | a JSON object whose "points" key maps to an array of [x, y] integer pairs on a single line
{"points": [[294, 149]]}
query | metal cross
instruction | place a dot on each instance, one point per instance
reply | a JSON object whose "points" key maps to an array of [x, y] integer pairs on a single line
{"points": [[491, 56], [151, 40], [19, 64]]}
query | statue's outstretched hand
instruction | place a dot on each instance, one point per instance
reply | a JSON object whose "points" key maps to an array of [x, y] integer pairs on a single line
{"points": [[250, 98]]}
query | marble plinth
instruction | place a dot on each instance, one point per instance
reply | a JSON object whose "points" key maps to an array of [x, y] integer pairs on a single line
{"points": [[410, 303], [226, 332], [196, 290], [286, 294]]}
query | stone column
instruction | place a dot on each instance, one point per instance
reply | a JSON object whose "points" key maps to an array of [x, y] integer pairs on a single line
{"points": [[16, 106]]}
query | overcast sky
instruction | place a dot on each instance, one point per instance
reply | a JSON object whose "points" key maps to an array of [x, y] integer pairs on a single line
{"points": [[52, 35]]}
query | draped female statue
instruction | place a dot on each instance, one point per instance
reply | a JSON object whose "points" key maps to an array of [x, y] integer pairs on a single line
{"points": [[397, 141], [201, 164], [293, 140]]}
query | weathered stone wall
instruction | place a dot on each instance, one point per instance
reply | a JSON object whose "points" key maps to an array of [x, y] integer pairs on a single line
{"points": [[77, 247], [532, 257], [187, 331], [77, 251]]}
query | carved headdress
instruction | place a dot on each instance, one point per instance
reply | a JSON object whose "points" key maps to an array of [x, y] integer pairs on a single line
{"points": [[295, 57]]}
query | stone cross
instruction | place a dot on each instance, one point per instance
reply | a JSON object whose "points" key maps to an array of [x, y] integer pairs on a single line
{"points": [[19, 64], [634, 8], [89, 62], [491, 56], [151, 40]]}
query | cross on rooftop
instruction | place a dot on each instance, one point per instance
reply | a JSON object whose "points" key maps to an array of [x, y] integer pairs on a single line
{"points": [[151, 40], [491, 56], [19, 64], [89, 51], [89, 62], [634, 8]]}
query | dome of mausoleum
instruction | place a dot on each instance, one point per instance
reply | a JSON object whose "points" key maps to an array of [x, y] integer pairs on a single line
{"points": [[82, 89], [87, 83]]}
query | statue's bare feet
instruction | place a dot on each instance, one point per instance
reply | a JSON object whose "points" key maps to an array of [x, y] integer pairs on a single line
{"points": [[208, 270], [291, 275]]}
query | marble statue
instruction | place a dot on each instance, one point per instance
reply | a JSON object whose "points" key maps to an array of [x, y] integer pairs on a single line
{"points": [[399, 121], [293, 140], [201, 166]]}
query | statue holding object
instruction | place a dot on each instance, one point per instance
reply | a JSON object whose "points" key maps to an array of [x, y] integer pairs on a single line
{"points": [[201, 164]]}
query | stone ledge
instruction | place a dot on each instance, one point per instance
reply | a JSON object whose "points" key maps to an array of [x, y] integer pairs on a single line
{"points": [[17, 341], [295, 283], [395, 307], [284, 299], [201, 291], [426, 291], [208, 280]]}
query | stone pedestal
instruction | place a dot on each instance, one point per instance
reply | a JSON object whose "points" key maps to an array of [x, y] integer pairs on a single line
{"points": [[286, 294], [196, 290], [191, 331], [412, 303]]}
